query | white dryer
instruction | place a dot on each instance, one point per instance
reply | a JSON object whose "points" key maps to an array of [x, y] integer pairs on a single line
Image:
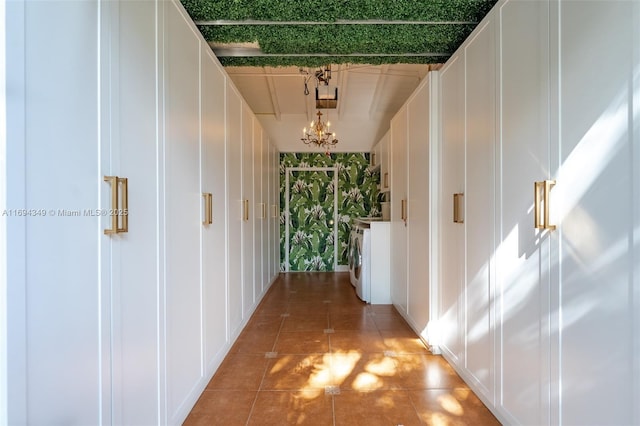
{"points": [[362, 263]]}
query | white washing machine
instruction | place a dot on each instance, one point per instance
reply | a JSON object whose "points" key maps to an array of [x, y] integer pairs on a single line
{"points": [[351, 253], [362, 262]]}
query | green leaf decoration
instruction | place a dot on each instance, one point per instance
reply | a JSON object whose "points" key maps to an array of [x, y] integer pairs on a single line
{"points": [[311, 238]]}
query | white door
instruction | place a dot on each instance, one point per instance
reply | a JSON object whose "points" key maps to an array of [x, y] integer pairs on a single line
{"points": [[480, 213], [130, 124], [213, 182], [419, 182], [266, 216], [57, 300], [182, 206], [235, 208], [399, 198], [249, 204], [523, 252], [596, 202], [258, 209], [452, 232]]}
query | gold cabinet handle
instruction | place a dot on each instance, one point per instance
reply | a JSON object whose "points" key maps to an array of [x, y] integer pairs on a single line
{"points": [[113, 181], [124, 212], [119, 211], [537, 223], [541, 192], [403, 210], [274, 210], [386, 180], [457, 211], [246, 210], [208, 208], [264, 210], [548, 184]]}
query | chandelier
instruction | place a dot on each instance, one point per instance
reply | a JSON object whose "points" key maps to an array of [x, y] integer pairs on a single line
{"points": [[319, 134]]}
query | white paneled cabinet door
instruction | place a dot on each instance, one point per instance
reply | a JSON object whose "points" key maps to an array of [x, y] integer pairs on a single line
{"points": [[248, 199], [270, 212], [452, 222], [523, 253], [235, 207], [258, 209], [385, 177], [182, 209], [399, 200], [596, 203], [480, 64], [213, 211], [266, 220], [58, 301], [132, 120], [418, 255]]}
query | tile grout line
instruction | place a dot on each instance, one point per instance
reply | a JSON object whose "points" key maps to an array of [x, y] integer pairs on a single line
{"points": [[264, 373]]}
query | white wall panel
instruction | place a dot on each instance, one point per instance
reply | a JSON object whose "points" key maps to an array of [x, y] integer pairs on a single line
{"points": [[257, 202], [596, 191], [214, 262], [182, 210], [131, 138], [480, 151], [452, 236], [523, 253], [418, 181], [399, 196], [59, 303], [248, 232], [234, 208]]}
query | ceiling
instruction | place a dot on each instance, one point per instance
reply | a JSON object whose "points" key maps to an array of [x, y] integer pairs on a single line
{"points": [[379, 51]]}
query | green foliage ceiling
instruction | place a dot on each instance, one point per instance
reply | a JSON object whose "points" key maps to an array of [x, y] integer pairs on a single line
{"points": [[333, 39]]}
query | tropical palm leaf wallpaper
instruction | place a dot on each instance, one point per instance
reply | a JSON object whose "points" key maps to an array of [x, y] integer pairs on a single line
{"points": [[311, 206]]}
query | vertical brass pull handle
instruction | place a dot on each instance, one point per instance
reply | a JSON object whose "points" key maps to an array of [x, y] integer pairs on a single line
{"points": [[119, 205], [386, 179], [548, 184], [537, 223], [274, 210], [457, 211], [264, 210], [205, 201], [124, 211], [113, 181], [246, 210], [403, 210], [541, 192], [208, 208]]}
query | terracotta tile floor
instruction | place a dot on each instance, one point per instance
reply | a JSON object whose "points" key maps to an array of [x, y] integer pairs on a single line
{"points": [[314, 354]]}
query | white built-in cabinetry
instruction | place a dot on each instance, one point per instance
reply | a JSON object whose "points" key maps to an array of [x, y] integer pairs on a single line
{"points": [[540, 320], [385, 160], [126, 327], [398, 210], [413, 139]]}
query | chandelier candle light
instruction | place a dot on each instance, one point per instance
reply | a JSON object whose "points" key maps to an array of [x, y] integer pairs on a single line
{"points": [[319, 134]]}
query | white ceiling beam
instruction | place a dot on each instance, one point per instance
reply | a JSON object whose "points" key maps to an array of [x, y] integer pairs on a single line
{"points": [[311, 102], [273, 93], [343, 88], [380, 88]]}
